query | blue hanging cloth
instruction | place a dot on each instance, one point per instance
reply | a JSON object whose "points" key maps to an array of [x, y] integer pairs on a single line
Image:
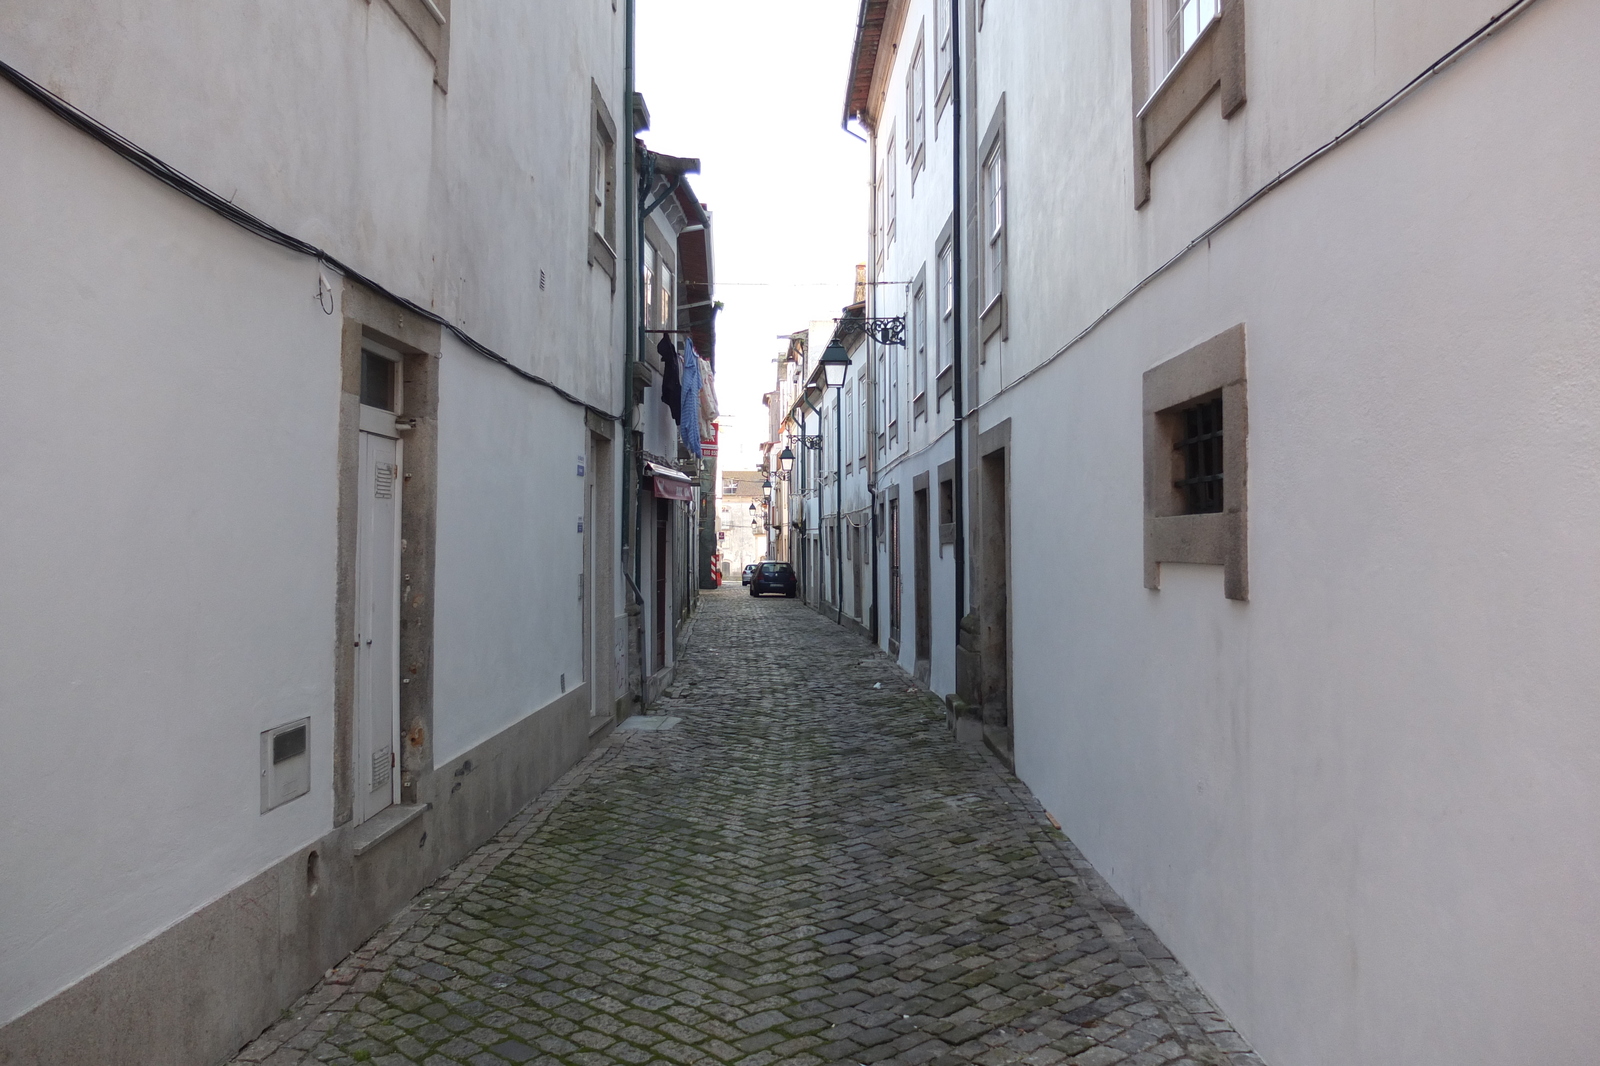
{"points": [[689, 424]]}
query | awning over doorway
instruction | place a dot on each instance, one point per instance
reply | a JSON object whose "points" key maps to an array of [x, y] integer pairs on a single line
{"points": [[669, 484]]}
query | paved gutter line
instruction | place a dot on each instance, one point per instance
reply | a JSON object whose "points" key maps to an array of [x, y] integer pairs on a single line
{"points": [[1181, 1000]]}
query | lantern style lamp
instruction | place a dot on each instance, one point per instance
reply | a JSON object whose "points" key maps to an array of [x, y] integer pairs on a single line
{"points": [[835, 365], [786, 459]]}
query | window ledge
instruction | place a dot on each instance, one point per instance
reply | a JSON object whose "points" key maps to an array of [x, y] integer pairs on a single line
{"points": [[601, 252], [1216, 59], [385, 824], [993, 319], [1217, 539]]}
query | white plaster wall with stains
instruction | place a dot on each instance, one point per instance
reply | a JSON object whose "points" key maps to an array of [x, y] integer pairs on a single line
{"points": [[169, 426], [1361, 807]]}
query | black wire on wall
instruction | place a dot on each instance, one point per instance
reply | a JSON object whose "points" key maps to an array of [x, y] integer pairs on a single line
{"points": [[174, 178]]}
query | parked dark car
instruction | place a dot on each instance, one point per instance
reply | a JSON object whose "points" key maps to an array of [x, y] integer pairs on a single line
{"points": [[773, 577], [750, 568]]}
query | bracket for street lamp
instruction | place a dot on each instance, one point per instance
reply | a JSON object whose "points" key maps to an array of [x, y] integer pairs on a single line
{"points": [[882, 330]]}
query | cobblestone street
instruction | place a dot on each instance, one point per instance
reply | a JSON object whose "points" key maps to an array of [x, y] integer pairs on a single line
{"points": [[805, 869]]}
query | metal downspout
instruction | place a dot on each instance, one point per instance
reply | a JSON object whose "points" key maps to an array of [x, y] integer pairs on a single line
{"points": [[838, 503], [958, 399], [630, 477]]}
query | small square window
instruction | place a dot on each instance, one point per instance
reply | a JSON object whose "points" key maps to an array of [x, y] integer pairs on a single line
{"points": [[377, 381], [1196, 425]]}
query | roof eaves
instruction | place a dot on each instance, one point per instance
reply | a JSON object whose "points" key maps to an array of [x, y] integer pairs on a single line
{"points": [[864, 57]]}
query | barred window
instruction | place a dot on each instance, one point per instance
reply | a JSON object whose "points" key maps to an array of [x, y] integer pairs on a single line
{"points": [[1200, 445]]}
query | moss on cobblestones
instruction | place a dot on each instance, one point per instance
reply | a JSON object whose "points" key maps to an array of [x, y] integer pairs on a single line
{"points": [[805, 871]]}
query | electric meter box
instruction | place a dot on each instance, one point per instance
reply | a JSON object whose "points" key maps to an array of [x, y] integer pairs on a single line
{"points": [[285, 763]]}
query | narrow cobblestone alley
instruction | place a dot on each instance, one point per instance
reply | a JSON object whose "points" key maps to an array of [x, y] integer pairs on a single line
{"points": [[805, 869]]}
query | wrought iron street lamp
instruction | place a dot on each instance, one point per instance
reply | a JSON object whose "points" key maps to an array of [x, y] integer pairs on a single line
{"points": [[835, 365]]}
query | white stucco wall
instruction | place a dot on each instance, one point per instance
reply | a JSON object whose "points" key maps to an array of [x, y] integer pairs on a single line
{"points": [[507, 615], [922, 210], [167, 463], [323, 119], [1362, 806], [170, 420]]}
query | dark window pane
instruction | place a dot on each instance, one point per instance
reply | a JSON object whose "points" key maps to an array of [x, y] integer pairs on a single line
{"points": [[1200, 444], [377, 381], [288, 744]]}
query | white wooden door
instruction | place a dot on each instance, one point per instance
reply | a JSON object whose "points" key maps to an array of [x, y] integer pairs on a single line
{"points": [[377, 732]]}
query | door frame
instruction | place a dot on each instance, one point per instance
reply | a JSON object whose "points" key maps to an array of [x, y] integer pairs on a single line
{"points": [[377, 424], [368, 318], [994, 600], [922, 578]]}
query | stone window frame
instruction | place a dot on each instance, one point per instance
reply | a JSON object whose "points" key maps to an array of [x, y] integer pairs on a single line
{"points": [[992, 319], [429, 23], [917, 110], [1216, 367], [894, 393], [943, 83], [602, 156], [947, 480], [864, 408], [944, 310], [891, 190], [1216, 60], [659, 246], [917, 335]]}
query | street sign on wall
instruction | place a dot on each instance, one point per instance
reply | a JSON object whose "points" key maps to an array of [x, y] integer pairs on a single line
{"points": [[708, 444]]}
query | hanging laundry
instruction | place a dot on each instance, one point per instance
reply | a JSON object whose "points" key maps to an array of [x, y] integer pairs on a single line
{"points": [[708, 393], [708, 400], [689, 424], [671, 384]]}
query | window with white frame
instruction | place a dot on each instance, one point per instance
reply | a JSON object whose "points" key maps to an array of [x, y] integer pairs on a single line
{"points": [[861, 423], [994, 221], [941, 35], [890, 204], [894, 392], [597, 190], [1179, 24], [884, 396], [602, 185], [659, 291], [880, 222], [916, 112], [918, 335], [946, 283], [847, 404]]}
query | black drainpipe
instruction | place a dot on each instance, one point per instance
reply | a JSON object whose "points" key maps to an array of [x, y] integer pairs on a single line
{"points": [[958, 398]]}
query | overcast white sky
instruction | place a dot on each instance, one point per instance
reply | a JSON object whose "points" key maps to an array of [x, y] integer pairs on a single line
{"points": [[756, 90]]}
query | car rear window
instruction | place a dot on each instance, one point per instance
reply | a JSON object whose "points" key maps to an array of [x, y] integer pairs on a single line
{"points": [[774, 568]]}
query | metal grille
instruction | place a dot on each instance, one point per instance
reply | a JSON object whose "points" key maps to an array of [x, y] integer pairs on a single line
{"points": [[1200, 444], [385, 481], [382, 766]]}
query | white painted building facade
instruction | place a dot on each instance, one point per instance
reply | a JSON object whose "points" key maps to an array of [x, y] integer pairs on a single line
{"points": [[1329, 729], [311, 525], [824, 506]]}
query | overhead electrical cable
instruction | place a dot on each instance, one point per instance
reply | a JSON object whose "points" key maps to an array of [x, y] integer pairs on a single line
{"points": [[1476, 37], [174, 178]]}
